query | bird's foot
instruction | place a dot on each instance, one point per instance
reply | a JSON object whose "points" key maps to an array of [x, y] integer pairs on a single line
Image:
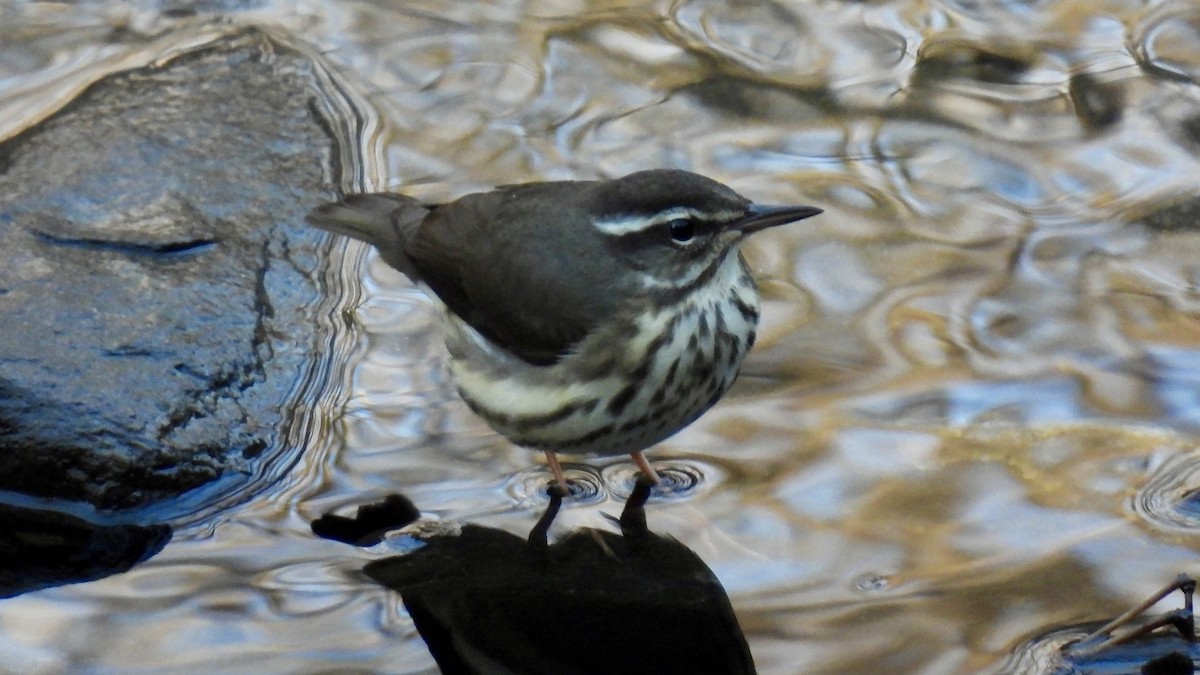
{"points": [[1181, 620]]}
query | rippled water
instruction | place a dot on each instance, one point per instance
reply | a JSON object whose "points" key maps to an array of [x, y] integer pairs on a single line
{"points": [[972, 415]]}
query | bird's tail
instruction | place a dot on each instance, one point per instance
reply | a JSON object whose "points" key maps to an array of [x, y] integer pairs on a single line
{"points": [[380, 219]]}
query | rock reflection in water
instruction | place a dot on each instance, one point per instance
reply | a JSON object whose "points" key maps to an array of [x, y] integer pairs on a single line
{"points": [[487, 601]]}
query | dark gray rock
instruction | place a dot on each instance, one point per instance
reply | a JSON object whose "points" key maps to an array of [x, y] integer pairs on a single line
{"points": [[159, 295], [993, 63], [45, 548], [195, 7], [1097, 105], [1174, 215]]}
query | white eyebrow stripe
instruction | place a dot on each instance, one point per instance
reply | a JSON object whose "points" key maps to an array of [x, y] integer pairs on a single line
{"points": [[622, 225]]}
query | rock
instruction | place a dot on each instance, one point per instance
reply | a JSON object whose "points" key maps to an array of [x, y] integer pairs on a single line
{"points": [[370, 524], [1178, 214], [1098, 105], [45, 548], [1000, 63], [1175, 663], [159, 295]]}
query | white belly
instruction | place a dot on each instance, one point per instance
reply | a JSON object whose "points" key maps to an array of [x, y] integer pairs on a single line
{"points": [[653, 388]]}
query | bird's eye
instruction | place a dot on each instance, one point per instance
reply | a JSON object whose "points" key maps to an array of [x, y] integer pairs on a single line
{"points": [[681, 230]]}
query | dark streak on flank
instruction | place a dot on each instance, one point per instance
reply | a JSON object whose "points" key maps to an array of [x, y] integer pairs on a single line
{"points": [[671, 372], [622, 400], [735, 351], [659, 395], [600, 432], [525, 423], [745, 309]]}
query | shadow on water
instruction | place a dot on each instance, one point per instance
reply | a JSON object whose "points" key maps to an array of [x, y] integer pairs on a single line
{"points": [[485, 600]]}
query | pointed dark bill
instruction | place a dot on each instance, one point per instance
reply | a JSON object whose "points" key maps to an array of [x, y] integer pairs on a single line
{"points": [[760, 217]]}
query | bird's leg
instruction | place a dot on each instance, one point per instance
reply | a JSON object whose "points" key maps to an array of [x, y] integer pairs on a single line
{"points": [[633, 517], [538, 535], [560, 478], [1181, 619], [639, 460]]}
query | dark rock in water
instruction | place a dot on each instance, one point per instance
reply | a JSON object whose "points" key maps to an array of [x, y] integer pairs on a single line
{"points": [[1175, 663], [194, 7], [159, 290], [1190, 129], [40, 548], [487, 601], [993, 63], [750, 100], [1181, 214], [1098, 105], [370, 524]]}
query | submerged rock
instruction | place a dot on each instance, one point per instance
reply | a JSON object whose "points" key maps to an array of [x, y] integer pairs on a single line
{"points": [[1179, 214], [159, 295]]}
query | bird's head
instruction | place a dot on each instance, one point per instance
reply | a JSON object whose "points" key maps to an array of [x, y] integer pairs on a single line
{"points": [[672, 225]]}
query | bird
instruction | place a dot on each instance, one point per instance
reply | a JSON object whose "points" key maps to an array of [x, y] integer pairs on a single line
{"points": [[592, 317]]}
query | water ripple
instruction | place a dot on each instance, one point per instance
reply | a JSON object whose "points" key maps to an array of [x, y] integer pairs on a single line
{"points": [[528, 488], [1171, 498], [680, 479], [1167, 41]]}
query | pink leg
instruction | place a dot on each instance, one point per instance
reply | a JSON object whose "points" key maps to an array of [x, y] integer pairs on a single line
{"points": [[640, 460], [559, 477]]}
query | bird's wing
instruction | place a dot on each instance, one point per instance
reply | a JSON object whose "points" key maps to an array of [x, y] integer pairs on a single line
{"points": [[494, 261], [516, 266]]}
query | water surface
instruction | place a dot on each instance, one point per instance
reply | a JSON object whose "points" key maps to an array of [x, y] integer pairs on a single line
{"points": [[972, 414]]}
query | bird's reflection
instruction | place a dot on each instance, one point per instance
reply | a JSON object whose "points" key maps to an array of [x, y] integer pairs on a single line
{"points": [[487, 601]]}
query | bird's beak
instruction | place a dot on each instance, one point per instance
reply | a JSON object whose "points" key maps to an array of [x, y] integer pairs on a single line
{"points": [[760, 217]]}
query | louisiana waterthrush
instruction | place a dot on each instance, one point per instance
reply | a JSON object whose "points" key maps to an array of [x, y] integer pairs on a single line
{"points": [[591, 317]]}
